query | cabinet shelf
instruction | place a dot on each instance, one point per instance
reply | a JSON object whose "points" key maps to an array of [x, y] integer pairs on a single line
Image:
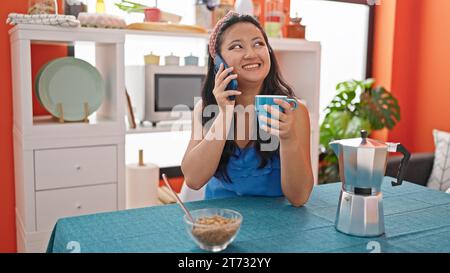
{"points": [[109, 61], [49, 126]]}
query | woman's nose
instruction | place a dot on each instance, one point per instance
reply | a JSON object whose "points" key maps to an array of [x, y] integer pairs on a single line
{"points": [[250, 53]]}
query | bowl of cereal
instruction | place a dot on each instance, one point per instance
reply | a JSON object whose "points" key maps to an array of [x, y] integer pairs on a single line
{"points": [[213, 229]]}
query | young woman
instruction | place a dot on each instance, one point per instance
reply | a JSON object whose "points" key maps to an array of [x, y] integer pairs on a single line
{"points": [[233, 166]]}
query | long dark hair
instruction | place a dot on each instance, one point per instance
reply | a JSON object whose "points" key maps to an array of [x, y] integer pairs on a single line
{"points": [[273, 85]]}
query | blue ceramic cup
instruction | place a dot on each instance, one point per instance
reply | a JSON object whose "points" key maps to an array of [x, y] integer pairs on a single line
{"points": [[261, 100]]}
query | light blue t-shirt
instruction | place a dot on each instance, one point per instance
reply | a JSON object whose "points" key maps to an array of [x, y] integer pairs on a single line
{"points": [[246, 178]]}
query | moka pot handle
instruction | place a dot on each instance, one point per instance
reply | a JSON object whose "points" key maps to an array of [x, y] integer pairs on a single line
{"points": [[397, 147]]}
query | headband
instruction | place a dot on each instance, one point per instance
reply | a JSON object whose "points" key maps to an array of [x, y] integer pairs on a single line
{"points": [[215, 31]]}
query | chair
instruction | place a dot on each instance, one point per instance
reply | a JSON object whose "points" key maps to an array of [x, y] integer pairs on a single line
{"points": [[419, 167]]}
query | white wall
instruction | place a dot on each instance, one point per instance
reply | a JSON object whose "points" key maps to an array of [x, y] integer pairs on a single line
{"points": [[165, 149], [342, 30]]}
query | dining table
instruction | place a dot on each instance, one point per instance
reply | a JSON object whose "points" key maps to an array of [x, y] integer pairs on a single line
{"points": [[417, 219]]}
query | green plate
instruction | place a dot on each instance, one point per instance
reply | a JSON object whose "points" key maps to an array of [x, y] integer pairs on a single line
{"points": [[36, 82], [71, 82]]}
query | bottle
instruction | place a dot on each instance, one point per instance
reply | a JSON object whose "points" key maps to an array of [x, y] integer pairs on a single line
{"points": [[274, 18], [100, 6]]}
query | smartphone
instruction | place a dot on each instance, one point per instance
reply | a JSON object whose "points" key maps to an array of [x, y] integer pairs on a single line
{"points": [[233, 85]]}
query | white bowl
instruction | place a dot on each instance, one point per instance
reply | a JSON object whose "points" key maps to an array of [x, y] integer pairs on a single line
{"points": [[214, 228]]}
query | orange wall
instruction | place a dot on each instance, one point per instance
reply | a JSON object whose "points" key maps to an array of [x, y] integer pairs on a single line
{"points": [[404, 64], [432, 105], [384, 42], [383, 51], [412, 59], [40, 55]]}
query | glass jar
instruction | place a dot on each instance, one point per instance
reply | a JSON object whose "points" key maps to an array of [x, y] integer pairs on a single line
{"points": [[74, 7], [191, 60], [42, 7], [172, 59], [295, 29], [274, 18], [151, 59]]}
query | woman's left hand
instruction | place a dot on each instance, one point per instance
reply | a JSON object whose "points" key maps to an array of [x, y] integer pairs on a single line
{"points": [[285, 125]]}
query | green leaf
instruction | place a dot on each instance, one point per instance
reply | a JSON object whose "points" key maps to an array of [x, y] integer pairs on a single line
{"points": [[355, 126], [381, 108], [334, 127], [129, 6]]}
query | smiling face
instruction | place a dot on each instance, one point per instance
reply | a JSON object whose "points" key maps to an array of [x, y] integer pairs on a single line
{"points": [[243, 47]]}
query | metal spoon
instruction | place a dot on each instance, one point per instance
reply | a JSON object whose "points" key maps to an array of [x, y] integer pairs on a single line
{"points": [[178, 198]]}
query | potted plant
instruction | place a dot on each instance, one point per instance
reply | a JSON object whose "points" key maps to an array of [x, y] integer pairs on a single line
{"points": [[357, 106]]}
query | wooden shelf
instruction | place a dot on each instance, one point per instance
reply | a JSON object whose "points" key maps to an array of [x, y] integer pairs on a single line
{"points": [[167, 34], [54, 34]]}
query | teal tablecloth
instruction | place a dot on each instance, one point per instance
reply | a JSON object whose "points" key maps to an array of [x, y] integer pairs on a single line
{"points": [[417, 219]]}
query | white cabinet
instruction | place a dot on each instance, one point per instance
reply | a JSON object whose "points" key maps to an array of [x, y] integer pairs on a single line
{"points": [[60, 168], [73, 168], [54, 204]]}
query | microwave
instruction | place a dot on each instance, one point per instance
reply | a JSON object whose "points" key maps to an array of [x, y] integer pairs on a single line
{"points": [[164, 93]]}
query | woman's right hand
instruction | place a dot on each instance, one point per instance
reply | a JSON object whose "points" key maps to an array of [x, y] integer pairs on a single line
{"points": [[221, 82]]}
